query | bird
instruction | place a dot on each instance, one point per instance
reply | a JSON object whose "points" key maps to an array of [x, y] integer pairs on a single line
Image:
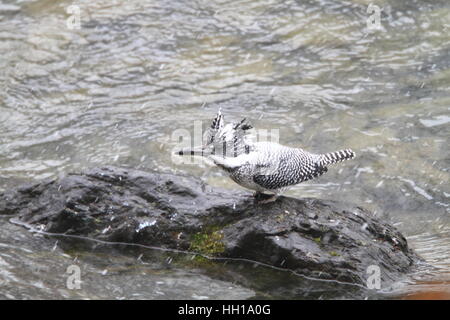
{"points": [[267, 168]]}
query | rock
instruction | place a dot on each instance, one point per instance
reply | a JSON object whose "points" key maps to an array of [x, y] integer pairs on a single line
{"points": [[315, 238]]}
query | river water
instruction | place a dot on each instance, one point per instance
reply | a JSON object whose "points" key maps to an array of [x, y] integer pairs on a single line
{"points": [[118, 87]]}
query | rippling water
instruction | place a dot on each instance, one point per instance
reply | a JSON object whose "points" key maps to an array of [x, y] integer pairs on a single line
{"points": [[116, 90]]}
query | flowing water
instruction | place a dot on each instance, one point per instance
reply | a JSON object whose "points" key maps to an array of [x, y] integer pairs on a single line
{"points": [[323, 75]]}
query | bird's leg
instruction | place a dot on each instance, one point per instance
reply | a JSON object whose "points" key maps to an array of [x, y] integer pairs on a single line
{"points": [[262, 198], [272, 198]]}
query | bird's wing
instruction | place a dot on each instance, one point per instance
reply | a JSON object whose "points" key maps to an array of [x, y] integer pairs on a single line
{"points": [[286, 175]]}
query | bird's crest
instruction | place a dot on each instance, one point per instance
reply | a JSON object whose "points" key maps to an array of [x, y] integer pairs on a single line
{"points": [[216, 126], [228, 140]]}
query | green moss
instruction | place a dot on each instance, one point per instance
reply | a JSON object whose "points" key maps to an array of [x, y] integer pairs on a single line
{"points": [[207, 243], [334, 253], [317, 240]]}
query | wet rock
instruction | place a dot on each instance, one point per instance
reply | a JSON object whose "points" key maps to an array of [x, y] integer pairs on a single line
{"points": [[316, 238]]}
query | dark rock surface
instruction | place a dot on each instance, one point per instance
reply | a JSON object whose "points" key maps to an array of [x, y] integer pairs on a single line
{"points": [[316, 238]]}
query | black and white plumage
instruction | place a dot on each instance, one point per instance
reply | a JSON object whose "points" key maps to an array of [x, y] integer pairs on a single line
{"points": [[261, 166]]}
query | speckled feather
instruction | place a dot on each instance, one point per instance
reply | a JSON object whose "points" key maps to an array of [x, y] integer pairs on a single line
{"points": [[264, 166]]}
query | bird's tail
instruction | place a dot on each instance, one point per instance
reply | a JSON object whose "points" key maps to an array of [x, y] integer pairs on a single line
{"points": [[337, 156]]}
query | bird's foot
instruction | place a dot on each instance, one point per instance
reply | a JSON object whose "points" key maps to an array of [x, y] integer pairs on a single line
{"points": [[262, 198]]}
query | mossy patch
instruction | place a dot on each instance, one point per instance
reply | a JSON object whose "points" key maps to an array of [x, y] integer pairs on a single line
{"points": [[207, 243], [334, 254]]}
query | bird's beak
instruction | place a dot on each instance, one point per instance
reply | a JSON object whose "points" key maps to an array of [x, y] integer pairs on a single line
{"points": [[196, 151]]}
